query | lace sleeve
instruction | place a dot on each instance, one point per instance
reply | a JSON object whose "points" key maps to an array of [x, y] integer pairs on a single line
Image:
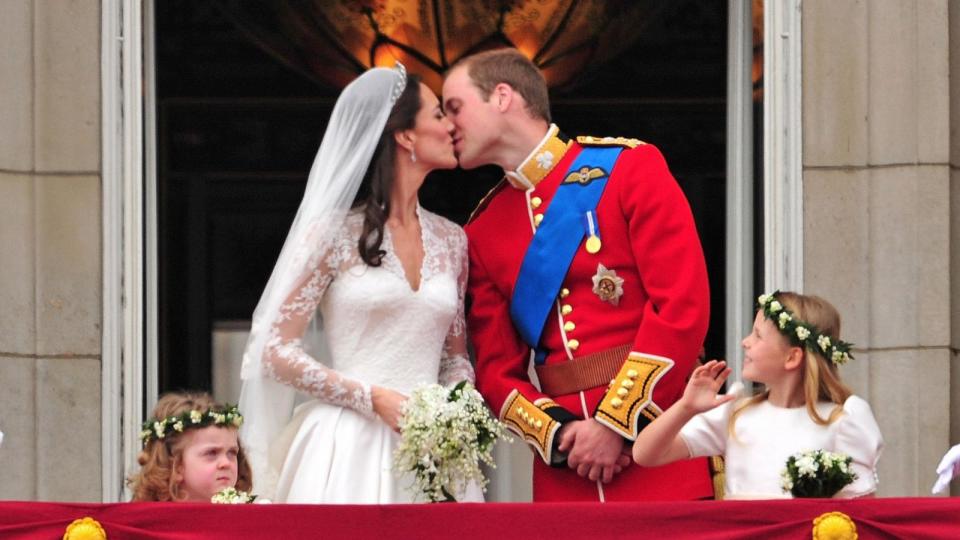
{"points": [[455, 363], [285, 359]]}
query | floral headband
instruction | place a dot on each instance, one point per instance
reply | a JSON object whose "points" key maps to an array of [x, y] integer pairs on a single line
{"points": [[158, 429], [803, 334]]}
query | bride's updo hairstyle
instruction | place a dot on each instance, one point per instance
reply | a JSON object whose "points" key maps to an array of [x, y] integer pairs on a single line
{"points": [[374, 197]]}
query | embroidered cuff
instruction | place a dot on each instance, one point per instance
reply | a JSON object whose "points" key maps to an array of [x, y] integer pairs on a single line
{"points": [[628, 405], [562, 415], [536, 423]]}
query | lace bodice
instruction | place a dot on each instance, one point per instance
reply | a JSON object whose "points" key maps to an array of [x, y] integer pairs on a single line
{"points": [[379, 330]]}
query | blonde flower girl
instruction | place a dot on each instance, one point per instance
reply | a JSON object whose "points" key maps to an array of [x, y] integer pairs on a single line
{"points": [[793, 350]]}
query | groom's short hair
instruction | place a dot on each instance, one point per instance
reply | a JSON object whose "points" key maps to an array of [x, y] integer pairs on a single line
{"points": [[490, 68]]}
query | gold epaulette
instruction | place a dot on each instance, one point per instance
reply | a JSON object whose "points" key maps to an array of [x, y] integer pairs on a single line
{"points": [[529, 421], [587, 140], [628, 404], [486, 199]]}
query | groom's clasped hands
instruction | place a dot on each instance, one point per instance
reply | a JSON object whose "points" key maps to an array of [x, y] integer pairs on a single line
{"points": [[594, 451]]}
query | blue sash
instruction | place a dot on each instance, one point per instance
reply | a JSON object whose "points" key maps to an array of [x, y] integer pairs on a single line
{"points": [[555, 242]]}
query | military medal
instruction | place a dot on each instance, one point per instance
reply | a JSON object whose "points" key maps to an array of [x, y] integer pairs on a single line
{"points": [[607, 285], [593, 243]]}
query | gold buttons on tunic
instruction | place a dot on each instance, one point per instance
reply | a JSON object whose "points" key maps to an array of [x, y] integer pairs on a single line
{"points": [[573, 344], [622, 392], [537, 218], [535, 202], [569, 326], [564, 292], [566, 309], [626, 383], [616, 403]]}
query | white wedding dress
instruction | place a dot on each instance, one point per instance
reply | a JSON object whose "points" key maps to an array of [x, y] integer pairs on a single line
{"points": [[380, 331]]}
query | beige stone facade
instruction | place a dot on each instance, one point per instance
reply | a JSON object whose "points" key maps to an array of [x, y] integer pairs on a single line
{"points": [[879, 85], [881, 113], [50, 250]]}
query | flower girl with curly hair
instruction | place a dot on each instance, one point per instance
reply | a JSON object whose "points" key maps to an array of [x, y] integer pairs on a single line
{"points": [[191, 451], [794, 350]]}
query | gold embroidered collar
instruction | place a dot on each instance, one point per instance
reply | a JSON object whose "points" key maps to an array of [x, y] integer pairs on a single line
{"points": [[540, 162]]}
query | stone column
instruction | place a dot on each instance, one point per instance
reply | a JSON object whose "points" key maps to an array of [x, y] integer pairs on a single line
{"points": [[954, 67], [50, 238], [876, 151]]}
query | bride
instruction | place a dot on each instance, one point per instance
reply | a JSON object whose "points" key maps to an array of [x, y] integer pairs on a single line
{"points": [[386, 281]]}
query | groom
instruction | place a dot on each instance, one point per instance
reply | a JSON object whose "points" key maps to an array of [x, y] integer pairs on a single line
{"points": [[586, 258]]}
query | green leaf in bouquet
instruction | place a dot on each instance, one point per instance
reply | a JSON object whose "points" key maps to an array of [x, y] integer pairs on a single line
{"points": [[457, 391]]}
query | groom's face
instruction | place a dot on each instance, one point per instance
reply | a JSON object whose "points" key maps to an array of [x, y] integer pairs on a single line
{"points": [[474, 119]]}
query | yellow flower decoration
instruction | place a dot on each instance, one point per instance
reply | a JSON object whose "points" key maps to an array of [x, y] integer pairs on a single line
{"points": [[834, 526], [85, 529]]}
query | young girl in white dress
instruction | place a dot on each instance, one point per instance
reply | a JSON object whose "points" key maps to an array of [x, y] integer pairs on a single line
{"points": [[793, 350], [386, 279]]}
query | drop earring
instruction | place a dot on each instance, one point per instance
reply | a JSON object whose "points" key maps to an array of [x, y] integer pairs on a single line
{"points": [[413, 156]]}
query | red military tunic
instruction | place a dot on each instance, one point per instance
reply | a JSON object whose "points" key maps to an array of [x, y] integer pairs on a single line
{"points": [[648, 239]]}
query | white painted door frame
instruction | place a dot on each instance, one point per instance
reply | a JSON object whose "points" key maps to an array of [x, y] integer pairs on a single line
{"points": [[783, 146], [124, 257], [782, 172]]}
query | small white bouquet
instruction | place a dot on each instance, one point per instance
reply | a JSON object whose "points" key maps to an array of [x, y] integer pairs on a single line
{"points": [[444, 435], [232, 496], [816, 473]]}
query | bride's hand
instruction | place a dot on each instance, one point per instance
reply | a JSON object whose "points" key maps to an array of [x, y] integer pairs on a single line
{"points": [[388, 404]]}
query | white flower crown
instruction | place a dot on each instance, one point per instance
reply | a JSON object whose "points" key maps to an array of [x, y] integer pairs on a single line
{"points": [[158, 429], [803, 334]]}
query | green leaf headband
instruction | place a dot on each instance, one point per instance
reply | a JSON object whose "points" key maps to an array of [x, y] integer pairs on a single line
{"points": [[803, 334], [158, 429]]}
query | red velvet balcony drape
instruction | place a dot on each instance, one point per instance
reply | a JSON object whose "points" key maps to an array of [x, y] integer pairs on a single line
{"points": [[928, 518]]}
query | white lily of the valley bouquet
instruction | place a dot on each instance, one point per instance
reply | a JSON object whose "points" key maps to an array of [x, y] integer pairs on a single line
{"points": [[232, 496], [817, 473], [444, 435]]}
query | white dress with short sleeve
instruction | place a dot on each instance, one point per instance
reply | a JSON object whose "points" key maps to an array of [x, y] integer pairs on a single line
{"points": [[766, 435], [380, 332]]}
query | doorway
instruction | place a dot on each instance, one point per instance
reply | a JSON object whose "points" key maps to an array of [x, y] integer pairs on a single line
{"points": [[237, 133]]}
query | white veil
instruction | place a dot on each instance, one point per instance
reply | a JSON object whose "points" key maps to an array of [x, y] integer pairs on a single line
{"points": [[351, 137]]}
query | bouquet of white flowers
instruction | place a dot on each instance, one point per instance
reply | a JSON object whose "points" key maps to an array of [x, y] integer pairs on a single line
{"points": [[817, 473], [232, 496], [444, 435]]}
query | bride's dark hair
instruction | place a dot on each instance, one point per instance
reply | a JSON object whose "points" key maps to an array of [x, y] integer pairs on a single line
{"points": [[374, 196]]}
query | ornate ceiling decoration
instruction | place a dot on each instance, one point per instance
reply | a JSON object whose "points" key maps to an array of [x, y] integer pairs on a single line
{"points": [[331, 41]]}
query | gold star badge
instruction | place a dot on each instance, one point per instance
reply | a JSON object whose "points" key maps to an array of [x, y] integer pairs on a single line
{"points": [[607, 285]]}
